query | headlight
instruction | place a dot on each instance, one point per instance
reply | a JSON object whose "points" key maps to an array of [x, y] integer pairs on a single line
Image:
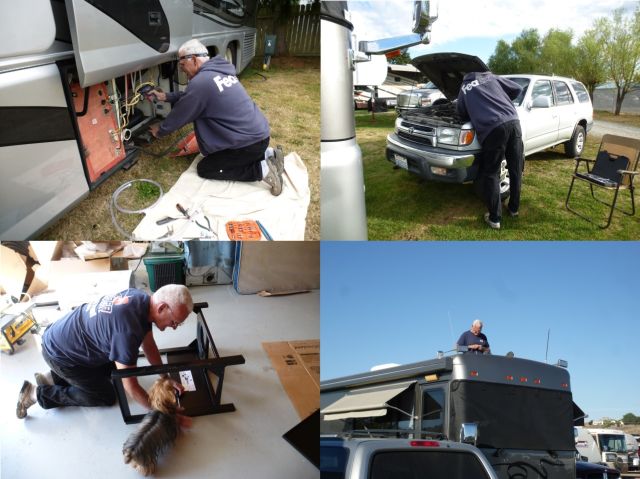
{"points": [[449, 136], [610, 457], [397, 124], [425, 101]]}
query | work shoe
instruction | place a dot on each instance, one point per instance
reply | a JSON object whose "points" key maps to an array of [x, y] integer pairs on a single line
{"points": [[25, 399], [279, 155], [273, 178], [492, 224], [43, 379]]}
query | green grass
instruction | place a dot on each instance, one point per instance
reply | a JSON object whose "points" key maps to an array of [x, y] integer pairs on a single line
{"points": [[402, 206]]}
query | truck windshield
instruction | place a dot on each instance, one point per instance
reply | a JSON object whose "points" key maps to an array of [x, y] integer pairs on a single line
{"points": [[514, 417], [612, 443]]}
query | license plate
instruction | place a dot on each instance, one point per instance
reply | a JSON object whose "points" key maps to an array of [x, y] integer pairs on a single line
{"points": [[401, 161]]}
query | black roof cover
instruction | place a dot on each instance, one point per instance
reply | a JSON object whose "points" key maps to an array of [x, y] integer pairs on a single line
{"points": [[446, 70]]}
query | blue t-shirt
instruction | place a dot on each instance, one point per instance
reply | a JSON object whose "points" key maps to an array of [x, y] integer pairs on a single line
{"points": [[468, 338], [94, 334]]}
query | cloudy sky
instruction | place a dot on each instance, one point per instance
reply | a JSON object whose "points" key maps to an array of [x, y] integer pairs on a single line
{"points": [[476, 26]]}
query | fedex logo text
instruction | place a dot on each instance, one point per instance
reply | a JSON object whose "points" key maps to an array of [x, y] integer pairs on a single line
{"points": [[223, 82]]}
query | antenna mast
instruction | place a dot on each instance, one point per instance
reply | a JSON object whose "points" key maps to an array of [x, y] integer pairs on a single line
{"points": [[546, 355]]}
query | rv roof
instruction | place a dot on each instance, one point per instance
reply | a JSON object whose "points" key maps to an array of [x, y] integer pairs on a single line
{"points": [[498, 369]]}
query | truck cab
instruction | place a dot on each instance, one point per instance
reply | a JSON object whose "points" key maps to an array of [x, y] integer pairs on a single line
{"points": [[379, 458]]}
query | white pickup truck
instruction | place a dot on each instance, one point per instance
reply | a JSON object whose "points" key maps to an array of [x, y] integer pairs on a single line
{"points": [[436, 144], [377, 458]]}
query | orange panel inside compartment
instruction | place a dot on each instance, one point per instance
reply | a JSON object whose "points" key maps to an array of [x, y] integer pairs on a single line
{"points": [[103, 148]]}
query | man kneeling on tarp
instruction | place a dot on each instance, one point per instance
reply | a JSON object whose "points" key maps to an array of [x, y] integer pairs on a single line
{"points": [[232, 132]]}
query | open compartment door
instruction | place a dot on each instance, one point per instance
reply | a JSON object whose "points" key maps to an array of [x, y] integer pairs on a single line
{"points": [[114, 37]]}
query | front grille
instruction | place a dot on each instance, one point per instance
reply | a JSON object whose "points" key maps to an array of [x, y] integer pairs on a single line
{"points": [[418, 128], [421, 134], [416, 139]]}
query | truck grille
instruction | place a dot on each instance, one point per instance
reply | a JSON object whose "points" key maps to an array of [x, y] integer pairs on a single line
{"points": [[424, 135]]}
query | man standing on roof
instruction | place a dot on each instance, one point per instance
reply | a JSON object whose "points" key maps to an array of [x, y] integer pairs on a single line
{"points": [[232, 132], [476, 342], [486, 99]]}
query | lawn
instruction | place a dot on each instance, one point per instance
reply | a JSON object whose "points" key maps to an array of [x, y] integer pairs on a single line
{"points": [[401, 206], [289, 96]]}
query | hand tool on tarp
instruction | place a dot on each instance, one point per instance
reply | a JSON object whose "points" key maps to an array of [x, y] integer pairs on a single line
{"points": [[168, 219]]}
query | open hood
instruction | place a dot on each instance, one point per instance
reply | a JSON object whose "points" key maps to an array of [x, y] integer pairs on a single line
{"points": [[446, 70]]}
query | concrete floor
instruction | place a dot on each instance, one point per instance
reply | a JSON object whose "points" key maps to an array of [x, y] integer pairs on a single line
{"points": [[87, 442]]}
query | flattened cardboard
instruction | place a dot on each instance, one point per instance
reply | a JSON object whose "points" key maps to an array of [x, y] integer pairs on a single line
{"points": [[13, 271], [298, 366]]}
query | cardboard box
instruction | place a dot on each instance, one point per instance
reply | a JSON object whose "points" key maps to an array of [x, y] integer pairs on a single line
{"points": [[298, 366]]}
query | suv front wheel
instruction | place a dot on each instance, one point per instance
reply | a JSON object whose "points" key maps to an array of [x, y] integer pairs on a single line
{"points": [[575, 146]]}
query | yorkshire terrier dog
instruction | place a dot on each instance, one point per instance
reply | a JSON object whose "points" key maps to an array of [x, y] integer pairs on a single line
{"points": [[157, 432]]}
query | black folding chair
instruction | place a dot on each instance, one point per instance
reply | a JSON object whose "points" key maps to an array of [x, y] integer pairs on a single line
{"points": [[614, 169]]}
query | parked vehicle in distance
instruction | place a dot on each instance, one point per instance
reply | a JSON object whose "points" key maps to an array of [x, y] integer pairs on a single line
{"points": [[423, 95], [633, 447], [436, 144], [612, 446], [589, 470], [365, 98], [586, 446], [364, 458]]}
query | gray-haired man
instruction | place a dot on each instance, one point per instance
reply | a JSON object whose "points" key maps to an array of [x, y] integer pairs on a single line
{"points": [[232, 133], [84, 347], [476, 342]]}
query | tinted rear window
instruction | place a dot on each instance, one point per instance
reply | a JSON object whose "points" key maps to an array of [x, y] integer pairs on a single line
{"points": [[420, 464], [333, 461], [563, 93], [581, 91]]}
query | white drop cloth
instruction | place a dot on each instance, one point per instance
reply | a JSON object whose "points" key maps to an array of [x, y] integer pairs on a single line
{"points": [[282, 216]]}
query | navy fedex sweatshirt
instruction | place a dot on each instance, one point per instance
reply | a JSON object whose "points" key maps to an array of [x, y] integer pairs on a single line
{"points": [[223, 114], [486, 99]]}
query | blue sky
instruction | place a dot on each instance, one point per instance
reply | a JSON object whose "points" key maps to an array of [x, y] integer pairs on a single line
{"points": [[401, 302], [474, 27]]}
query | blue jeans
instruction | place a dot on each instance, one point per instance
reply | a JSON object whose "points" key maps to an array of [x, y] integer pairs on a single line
{"points": [[77, 386]]}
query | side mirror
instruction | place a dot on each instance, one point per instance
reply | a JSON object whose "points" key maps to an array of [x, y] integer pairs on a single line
{"points": [[422, 16], [469, 433], [542, 101]]}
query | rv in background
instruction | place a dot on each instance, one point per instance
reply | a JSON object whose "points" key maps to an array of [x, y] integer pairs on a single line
{"points": [[603, 446], [518, 412], [72, 80]]}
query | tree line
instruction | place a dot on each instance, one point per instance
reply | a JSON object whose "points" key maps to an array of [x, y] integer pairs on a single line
{"points": [[608, 51]]}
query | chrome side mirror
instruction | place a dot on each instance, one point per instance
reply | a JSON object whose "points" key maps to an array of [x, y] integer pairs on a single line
{"points": [[422, 16], [469, 433]]}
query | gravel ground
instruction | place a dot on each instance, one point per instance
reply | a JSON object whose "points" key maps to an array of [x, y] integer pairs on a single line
{"points": [[601, 127]]}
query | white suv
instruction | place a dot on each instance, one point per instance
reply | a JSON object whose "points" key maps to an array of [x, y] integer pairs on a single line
{"points": [[436, 144]]}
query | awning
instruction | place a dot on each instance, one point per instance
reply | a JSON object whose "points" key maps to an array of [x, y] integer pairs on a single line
{"points": [[368, 402]]}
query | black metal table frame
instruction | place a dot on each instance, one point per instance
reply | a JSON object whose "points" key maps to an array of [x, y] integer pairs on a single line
{"points": [[200, 349]]}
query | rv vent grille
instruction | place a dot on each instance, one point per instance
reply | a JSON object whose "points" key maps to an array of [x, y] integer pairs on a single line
{"points": [[249, 45]]}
